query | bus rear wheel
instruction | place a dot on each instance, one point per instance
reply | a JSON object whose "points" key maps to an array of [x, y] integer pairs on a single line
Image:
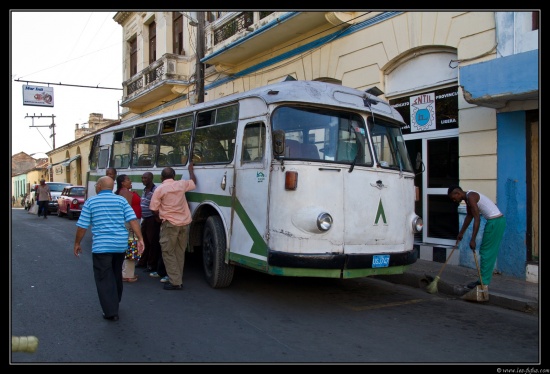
{"points": [[217, 272]]}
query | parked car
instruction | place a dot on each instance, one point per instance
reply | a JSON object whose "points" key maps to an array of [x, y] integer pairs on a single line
{"points": [[30, 197], [70, 201], [56, 188]]}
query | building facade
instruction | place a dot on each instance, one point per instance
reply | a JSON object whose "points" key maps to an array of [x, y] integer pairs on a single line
{"points": [[465, 82], [69, 163], [26, 171]]}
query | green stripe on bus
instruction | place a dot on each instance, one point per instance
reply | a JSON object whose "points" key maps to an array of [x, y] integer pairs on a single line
{"points": [[360, 273], [303, 272], [259, 246]]}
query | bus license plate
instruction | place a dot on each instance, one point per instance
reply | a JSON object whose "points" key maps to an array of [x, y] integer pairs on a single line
{"points": [[380, 261]]}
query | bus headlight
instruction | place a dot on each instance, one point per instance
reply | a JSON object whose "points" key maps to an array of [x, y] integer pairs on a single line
{"points": [[417, 224], [324, 221]]}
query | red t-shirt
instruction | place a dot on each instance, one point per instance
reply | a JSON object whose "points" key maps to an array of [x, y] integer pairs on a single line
{"points": [[136, 204]]}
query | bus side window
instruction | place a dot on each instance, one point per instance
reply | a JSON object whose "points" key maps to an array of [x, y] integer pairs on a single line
{"points": [[103, 158], [292, 148], [253, 142], [212, 151], [214, 143], [121, 147], [125, 161], [118, 161], [145, 160], [94, 152], [176, 157], [310, 151], [162, 160], [121, 161]]}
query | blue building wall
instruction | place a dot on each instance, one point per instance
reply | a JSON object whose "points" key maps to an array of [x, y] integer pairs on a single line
{"points": [[512, 191], [506, 78], [511, 198]]}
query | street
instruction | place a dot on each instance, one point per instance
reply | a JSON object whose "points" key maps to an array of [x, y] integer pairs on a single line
{"points": [[258, 319]]}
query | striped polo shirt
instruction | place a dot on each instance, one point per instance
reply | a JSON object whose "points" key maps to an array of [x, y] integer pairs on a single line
{"points": [[107, 213], [145, 201]]}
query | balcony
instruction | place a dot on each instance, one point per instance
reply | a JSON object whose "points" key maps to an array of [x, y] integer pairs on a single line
{"points": [[239, 36], [163, 80]]}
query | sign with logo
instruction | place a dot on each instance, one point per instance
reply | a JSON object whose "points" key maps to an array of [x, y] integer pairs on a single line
{"points": [[38, 96], [429, 111], [422, 112]]}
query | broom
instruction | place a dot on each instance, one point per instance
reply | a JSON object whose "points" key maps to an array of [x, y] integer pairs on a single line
{"points": [[24, 343], [479, 292], [432, 287]]}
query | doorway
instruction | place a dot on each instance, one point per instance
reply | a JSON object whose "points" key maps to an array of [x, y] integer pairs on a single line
{"points": [[436, 166]]}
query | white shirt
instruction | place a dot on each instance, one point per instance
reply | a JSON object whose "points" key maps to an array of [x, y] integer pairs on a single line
{"points": [[486, 207]]}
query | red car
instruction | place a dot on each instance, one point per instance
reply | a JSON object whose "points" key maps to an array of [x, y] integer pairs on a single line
{"points": [[71, 200]]}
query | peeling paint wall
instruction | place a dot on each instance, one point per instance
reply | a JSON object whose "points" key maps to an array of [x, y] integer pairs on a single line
{"points": [[512, 192]]}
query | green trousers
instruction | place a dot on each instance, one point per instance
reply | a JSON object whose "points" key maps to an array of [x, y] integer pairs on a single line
{"points": [[490, 246]]}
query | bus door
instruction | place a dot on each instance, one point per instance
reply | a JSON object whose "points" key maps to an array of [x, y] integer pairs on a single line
{"points": [[250, 194]]}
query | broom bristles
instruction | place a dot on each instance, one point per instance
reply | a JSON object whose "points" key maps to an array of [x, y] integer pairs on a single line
{"points": [[432, 287]]}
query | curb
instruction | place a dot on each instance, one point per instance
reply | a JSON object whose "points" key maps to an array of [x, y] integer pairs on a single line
{"points": [[495, 298]]}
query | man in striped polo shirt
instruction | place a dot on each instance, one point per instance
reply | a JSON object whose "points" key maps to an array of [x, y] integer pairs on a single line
{"points": [[107, 212]]}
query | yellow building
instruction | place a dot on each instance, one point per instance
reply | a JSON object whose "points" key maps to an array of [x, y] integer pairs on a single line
{"points": [[69, 162]]}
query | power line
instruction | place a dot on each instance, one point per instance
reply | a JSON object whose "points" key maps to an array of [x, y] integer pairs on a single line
{"points": [[65, 84], [52, 126]]}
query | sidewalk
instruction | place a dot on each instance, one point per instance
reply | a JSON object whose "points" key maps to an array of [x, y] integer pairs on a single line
{"points": [[504, 291]]}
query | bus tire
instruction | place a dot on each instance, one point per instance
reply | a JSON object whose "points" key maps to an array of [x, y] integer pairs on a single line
{"points": [[217, 272]]}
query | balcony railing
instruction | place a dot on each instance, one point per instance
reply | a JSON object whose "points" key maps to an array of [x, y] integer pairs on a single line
{"points": [[134, 86], [154, 75], [168, 67], [236, 24]]}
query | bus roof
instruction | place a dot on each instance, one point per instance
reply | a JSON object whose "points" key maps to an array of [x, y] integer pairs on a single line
{"points": [[290, 91]]}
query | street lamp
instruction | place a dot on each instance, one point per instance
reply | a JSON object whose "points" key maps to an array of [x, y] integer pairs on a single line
{"points": [[192, 21]]}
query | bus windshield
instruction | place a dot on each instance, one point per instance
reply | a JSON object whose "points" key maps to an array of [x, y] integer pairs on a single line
{"points": [[326, 135], [389, 145]]}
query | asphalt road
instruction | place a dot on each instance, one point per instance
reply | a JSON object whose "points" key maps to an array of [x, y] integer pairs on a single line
{"points": [[258, 319]]}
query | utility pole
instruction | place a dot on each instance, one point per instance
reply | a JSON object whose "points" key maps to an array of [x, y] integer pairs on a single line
{"points": [[199, 69], [52, 126]]}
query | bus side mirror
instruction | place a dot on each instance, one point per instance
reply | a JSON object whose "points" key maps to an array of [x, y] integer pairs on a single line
{"points": [[278, 142]]}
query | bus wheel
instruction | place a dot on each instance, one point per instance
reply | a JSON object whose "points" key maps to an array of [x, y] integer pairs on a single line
{"points": [[217, 272]]}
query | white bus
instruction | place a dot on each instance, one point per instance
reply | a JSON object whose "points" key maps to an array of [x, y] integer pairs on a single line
{"points": [[297, 178]]}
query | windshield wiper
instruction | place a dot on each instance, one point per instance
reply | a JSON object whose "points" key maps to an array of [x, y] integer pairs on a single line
{"points": [[354, 161]]}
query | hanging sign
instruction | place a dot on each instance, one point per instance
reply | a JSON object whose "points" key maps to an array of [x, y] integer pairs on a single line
{"points": [[38, 96]]}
